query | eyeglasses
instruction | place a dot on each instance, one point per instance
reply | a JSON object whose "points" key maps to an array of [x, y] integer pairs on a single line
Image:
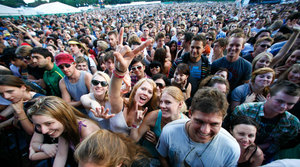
{"points": [[218, 22], [210, 39], [64, 65], [154, 67], [136, 67], [265, 46], [160, 85], [96, 82]]}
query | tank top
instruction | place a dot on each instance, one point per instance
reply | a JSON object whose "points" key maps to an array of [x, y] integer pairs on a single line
{"points": [[76, 90]]}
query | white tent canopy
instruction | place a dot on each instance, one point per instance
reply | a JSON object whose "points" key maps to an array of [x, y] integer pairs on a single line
{"points": [[55, 8], [8, 11]]}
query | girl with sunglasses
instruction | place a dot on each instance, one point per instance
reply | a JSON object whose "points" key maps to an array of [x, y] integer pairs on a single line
{"points": [[98, 98], [172, 107], [54, 117]]}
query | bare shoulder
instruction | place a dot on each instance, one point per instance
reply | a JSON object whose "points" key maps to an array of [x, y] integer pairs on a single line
{"points": [[88, 127], [151, 117]]}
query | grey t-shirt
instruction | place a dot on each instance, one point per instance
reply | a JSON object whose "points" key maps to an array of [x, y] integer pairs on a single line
{"points": [[175, 144]]}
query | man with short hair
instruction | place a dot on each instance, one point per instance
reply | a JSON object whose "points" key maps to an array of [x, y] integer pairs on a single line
{"points": [[261, 45], [186, 44], [160, 41], [276, 125], [239, 68], [200, 141], [219, 26], [112, 40], [198, 63], [109, 62], [81, 64], [44, 59], [75, 83]]}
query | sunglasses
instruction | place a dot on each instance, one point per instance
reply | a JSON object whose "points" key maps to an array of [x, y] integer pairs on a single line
{"points": [[160, 85], [96, 82], [64, 65], [218, 23], [135, 68], [210, 39], [265, 46]]}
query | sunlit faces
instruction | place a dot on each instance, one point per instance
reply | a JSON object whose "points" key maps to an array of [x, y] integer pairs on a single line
{"points": [[143, 94], [281, 102], [196, 50], [179, 77], [48, 125], [234, 48], [203, 127], [112, 40], [99, 89], [160, 42], [293, 58], [40, 60], [262, 62], [110, 65], [82, 66], [244, 134], [155, 69], [68, 69], [11, 93], [169, 106], [74, 49], [160, 83], [294, 76], [263, 80], [263, 46], [138, 69]]}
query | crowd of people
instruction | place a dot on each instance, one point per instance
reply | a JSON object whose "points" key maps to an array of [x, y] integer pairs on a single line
{"points": [[181, 84]]}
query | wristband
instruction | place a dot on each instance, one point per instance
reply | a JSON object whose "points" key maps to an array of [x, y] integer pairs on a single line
{"points": [[119, 70], [22, 119], [116, 75]]}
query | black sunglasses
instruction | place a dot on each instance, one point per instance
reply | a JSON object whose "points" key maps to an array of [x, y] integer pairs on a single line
{"points": [[210, 39], [64, 65], [96, 82], [160, 85], [265, 46], [154, 67]]}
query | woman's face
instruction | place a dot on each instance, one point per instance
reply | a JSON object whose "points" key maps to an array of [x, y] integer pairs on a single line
{"points": [[233, 27], [244, 134], [160, 83], [179, 77], [48, 125], [155, 70], [98, 89], [11, 93], [144, 94], [262, 62], [294, 57], [263, 80], [246, 30], [294, 76], [169, 106], [173, 47]]}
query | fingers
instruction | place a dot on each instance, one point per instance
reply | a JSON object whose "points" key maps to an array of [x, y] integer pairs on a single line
{"points": [[121, 36], [142, 46]]}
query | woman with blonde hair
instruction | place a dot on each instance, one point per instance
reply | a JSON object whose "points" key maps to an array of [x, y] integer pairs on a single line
{"points": [[56, 118], [262, 60], [292, 74], [172, 107], [104, 148], [254, 91]]}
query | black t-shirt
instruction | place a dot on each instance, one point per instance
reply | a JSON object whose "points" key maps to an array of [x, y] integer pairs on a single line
{"points": [[36, 72]]}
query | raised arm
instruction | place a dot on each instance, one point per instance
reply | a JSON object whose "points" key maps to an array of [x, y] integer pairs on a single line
{"points": [[282, 54]]}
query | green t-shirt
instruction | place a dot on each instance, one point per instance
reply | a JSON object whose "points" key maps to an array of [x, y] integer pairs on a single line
{"points": [[52, 78]]}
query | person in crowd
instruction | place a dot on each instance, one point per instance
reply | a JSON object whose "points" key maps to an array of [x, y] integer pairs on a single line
{"points": [[137, 71], [260, 46], [277, 125], [180, 80], [112, 40], [109, 62], [81, 64], [171, 107], [173, 50], [127, 153], [186, 44], [291, 74], [262, 60], [205, 142], [75, 83], [244, 130], [161, 82], [54, 117], [160, 41], [239, 68], [216, 81], [155, 67], [160, 55], [254, 91], [52, 75], [218, 49], [21, 97]]}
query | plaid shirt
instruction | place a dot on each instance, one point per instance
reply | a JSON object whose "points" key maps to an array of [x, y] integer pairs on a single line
{"points": [[275, 133]]}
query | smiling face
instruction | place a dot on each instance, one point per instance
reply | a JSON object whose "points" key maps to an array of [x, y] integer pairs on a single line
{"points": [[169, 106], [293, 58], [99, 89], [179, 77], [11, 93], [262, 62], [294, 76], [203, 127], [263, 80], [144, 94], [48, 125], [160, 86], [234, 48], [244, 134], [138, 69], [197, 49]]}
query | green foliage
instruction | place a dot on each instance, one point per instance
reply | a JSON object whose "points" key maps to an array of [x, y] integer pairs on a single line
{"points": [[13, 3]]}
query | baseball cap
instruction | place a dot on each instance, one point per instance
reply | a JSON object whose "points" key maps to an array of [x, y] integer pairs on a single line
{"points": [[63, 58]]}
